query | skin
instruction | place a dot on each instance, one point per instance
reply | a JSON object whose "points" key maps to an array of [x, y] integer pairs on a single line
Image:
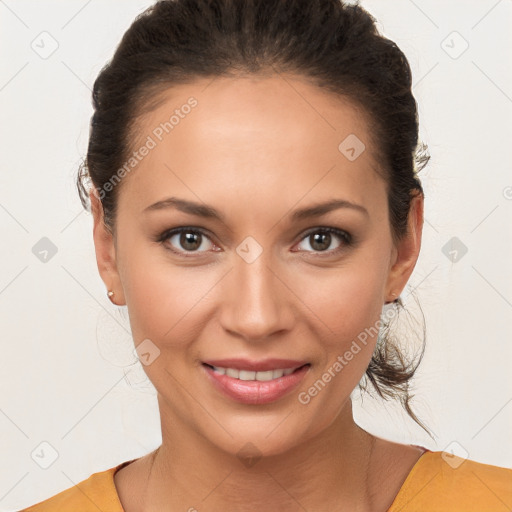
{"points": [[256, 149]]}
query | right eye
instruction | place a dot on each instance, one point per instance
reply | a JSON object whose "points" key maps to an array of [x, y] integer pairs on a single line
{"points": [[189, 239]]}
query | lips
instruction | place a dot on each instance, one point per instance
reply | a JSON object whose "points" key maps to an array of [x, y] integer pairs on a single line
{"points": [[255, 382]]}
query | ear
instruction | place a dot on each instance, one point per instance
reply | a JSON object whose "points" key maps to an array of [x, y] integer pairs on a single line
{"points": [[105, 251], [407, 251]]}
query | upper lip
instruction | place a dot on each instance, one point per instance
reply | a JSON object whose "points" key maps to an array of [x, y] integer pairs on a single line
{"points": [[256, 366]]}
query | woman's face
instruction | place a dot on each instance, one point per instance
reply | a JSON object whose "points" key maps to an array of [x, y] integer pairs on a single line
{"points": [[254, 277]]}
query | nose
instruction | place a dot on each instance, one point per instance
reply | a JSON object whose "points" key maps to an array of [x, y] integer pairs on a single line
{"points": [[256, 302]]}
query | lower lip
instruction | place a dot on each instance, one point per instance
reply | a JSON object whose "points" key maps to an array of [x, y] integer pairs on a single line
{"points": [[255, 391]]}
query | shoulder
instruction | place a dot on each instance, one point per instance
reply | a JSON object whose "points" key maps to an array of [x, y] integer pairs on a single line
{"points": [[98, 492], [443, 482]]}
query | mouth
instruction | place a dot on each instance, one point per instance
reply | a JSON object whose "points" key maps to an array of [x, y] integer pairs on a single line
{"points": [[261, 376], [255, 383]]}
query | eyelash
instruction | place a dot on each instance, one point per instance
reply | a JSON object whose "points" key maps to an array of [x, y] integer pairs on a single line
{"points": [[344, 236]]}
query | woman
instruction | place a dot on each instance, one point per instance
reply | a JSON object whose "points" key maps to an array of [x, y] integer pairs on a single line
{"points": [[253, 181]]}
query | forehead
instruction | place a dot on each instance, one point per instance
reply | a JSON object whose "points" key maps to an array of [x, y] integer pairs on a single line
{"points": [[232, 135], [257, 105]]}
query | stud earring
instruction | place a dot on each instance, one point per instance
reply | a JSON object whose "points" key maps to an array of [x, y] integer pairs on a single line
{"points": [[390, 301], [109, 295]]}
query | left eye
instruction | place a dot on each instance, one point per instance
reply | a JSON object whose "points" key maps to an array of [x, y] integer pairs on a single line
{"points": [[321, 239]]}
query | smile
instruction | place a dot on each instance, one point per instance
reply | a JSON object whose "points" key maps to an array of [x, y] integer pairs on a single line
{"points": [[261, 385], [251, 375]]}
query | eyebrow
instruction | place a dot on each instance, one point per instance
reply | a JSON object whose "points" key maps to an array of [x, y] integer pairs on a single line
{"points": [[206, 211]]}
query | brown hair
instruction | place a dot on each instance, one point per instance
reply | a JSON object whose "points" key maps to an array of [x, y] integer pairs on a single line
{"points": [[335, 45]]}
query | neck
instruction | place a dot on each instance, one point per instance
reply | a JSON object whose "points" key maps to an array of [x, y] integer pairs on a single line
{"points": [[189, 473]]}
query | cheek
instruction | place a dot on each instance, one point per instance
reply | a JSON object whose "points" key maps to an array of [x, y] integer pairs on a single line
{"points": [[163, 299], [352, 314], [348, 309], [347, 301]]}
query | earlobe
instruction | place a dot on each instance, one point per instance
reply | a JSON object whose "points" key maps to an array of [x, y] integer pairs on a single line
{"points": [[407, 251], [105, 251]]}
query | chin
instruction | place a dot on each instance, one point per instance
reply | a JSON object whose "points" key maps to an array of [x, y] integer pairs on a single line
{"points": [[272, 435]]}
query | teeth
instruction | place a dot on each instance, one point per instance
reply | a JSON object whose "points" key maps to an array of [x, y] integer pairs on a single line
{"points": [[277, 373], [250, 375], [268, 375], [231, 372], [246, 375]]}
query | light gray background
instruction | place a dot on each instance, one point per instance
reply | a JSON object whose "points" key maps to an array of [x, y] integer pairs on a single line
{"points": [[66, 350]]}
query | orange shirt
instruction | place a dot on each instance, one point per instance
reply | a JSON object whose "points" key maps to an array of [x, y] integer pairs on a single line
{"points": [[436, 483]]}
